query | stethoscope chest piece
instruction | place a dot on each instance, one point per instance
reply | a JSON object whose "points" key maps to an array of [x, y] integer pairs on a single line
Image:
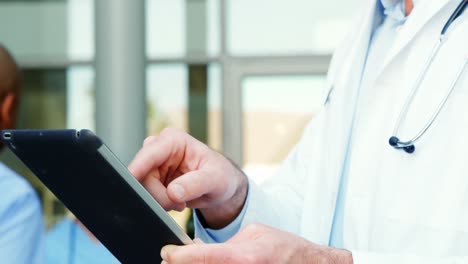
{"points": [[395, 142]]}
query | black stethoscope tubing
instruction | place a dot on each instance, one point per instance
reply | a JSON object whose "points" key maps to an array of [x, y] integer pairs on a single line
{"points": [[408, 146]]}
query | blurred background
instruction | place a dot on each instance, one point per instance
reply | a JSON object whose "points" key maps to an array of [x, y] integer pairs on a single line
{"points": [[244, 76]]}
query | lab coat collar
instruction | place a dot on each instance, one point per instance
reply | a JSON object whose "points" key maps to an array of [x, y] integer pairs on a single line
{"points": [[389, 3], [394, 9], [415, 22]]}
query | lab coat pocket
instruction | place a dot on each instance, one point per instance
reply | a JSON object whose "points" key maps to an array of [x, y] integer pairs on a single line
{"points": [[427, 213], [436, 197]]}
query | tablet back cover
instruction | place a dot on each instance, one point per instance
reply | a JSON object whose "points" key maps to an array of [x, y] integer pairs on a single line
{"points": [[69, 164]]}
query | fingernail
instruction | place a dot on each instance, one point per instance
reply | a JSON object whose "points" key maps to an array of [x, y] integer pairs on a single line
{"points": [[164, 262], [178, 191], [166, 250]]}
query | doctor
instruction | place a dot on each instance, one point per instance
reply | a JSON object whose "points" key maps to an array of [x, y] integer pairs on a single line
{"points": [[344, 194]]}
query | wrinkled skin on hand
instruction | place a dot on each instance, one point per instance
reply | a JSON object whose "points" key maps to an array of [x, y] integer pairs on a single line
{"points": [[258, 244]]}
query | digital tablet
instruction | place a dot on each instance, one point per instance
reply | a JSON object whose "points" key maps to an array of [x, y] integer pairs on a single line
{"points": [[95, 186]]}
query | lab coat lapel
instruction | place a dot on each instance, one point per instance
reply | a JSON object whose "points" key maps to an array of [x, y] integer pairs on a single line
{"points": [[341, 111], [353, 70], [413, 25], [352, 80]]}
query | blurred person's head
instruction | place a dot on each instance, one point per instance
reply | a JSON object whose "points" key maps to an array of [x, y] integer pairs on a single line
{"points": [[10, 84]]}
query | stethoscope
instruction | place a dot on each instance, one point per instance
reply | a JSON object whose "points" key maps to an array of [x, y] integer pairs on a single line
{"points": [[408, 146]]}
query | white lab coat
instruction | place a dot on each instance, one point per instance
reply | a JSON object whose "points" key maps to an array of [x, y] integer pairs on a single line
{"points": [[415, 209]]}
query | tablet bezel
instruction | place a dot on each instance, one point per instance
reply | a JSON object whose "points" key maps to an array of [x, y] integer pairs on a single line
{"points": [[28, 144], [112, 159]]}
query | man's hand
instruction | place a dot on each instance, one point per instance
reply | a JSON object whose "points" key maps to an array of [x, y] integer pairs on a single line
{"points": [[256, 244], [179, 171]]}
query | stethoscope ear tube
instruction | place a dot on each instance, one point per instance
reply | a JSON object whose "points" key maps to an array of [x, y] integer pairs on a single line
{"points": [[460, 8]]}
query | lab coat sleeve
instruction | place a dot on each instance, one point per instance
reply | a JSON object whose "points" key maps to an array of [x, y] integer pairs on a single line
{"points": [[209, 235], [259, 213], [279, 201], [360, 257]]}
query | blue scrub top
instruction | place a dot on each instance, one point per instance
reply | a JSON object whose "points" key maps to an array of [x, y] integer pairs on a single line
{"points": [[21, 227], [67, 243]]}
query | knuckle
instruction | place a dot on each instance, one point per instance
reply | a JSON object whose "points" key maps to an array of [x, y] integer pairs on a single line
{"points": [[166, 205], [172, 135], [169, 131], [198, 257], [171, 257]]}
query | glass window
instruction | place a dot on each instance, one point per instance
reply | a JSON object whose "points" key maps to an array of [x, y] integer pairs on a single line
{"points": [[258, 27], [166, 35], [165, 28], [214, 107], [213, 27], [80, 29], [80, 97], [276, 109], [168, 99], [43, 99], [167, 95], [34, 30]]}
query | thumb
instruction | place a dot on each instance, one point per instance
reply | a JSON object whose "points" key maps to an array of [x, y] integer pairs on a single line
{"points": [[197, 253], [191, 186]]}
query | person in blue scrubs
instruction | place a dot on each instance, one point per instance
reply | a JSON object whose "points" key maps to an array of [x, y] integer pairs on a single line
{"points": [[21, 227], [70, 242]]}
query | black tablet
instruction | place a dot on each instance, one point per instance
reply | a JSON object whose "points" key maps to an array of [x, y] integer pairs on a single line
{"points": [[95, 186]]}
